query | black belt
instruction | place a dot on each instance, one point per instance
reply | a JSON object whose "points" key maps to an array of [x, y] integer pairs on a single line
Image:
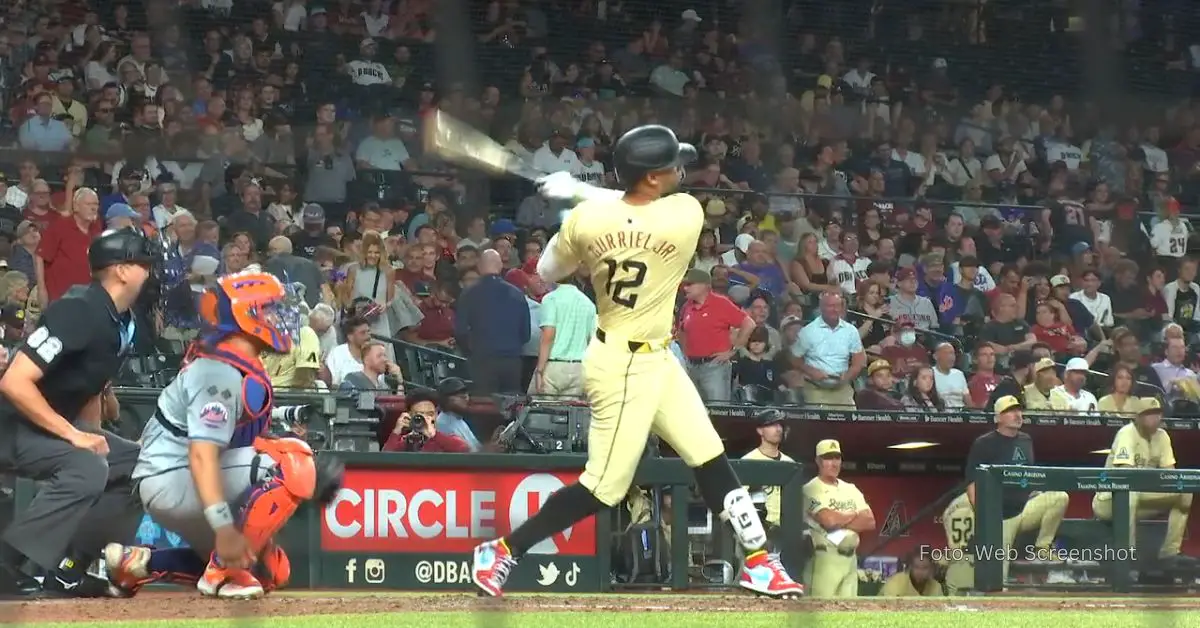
{"points": [[169, 426], [704, 360], [634, 347], [568, 361]]}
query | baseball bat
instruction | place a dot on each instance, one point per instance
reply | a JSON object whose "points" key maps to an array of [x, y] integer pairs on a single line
{"points": [[459, 143]]}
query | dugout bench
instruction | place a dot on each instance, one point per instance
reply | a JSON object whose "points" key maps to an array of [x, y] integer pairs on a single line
{"points": [[1092, 534]]}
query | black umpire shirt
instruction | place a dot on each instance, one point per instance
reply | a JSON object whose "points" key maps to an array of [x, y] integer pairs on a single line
{"points": [[995, 448], [77, 344]]}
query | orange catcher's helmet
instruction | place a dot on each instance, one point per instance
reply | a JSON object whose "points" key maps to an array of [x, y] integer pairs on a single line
{"points": [[256, 304]]}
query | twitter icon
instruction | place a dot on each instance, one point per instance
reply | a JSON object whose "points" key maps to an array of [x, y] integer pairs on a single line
{"points": [[548, 574]]}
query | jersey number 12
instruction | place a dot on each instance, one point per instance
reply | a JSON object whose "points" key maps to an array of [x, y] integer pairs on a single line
{"points": [[621, 291]]}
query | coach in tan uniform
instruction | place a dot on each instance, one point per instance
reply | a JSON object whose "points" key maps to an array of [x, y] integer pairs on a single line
{"points": [[836, 513], [1144, 444]]}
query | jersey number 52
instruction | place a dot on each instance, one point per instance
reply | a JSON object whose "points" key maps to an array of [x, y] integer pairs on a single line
{"points": [[623, 291]]}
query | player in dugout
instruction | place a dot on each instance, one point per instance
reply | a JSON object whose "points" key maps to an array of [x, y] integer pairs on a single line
{"points": [[1144, 444], [916, 579], [771, 432], [836, 513], [1023, 510]]}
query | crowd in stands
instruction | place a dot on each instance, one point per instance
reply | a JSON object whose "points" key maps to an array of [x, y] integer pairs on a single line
{"points": [[900, 211]]}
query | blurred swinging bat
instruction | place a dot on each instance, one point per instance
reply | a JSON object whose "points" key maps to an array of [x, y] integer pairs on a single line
{"points": [[459, 143]]}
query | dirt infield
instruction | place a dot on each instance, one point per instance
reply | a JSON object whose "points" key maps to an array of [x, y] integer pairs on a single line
{"points": [[182, 605]]}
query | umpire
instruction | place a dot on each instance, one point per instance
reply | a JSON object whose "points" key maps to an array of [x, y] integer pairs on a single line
{"points": [[50, 399]]}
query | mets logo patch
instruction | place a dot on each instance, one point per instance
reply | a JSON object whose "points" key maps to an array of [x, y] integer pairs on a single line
{"points": [[214, 415]]}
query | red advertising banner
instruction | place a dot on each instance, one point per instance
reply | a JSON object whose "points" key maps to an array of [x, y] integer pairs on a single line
{"points": [[419, 510]]}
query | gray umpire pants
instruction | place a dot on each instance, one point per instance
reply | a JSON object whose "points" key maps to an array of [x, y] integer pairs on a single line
{"points": [[83, 501]]}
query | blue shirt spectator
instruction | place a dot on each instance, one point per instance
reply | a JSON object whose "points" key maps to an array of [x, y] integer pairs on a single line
{"points": [[759, 264], [455, 425], [43, 133]]}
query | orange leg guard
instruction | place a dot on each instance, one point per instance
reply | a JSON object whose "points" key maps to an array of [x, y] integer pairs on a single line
{"points": [[272, 503]]}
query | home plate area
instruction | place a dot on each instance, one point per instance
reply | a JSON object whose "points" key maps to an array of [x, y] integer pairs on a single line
{"points": [[172, 605]]}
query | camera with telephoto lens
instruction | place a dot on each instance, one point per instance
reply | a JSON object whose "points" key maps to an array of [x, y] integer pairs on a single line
{"points": [[415, 437], [287, 416]]}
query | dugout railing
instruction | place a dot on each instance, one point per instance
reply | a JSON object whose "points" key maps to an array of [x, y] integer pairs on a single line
{"points": [[1122, 555]]}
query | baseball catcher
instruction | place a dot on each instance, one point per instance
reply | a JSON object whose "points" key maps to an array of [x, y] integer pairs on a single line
{"points": [[209, 470]]}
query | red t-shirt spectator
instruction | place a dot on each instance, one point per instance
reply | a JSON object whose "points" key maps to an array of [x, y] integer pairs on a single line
{"points": [[414, 278], [706, 326], [64, 250], [42, 220], [981, 386], [1057, 336], [438, 324], [905, 360]]}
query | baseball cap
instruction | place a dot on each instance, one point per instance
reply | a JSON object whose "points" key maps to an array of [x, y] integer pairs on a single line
{"points": [[130, 172], [968, 261], [1077, 364], [25, 227], [1006, 403], [1151, 405], [696, 275], [451, 386], [13, 315], [1060, 280], [905, 273], [120, 210], [313, 214], [743, 241], [829, 447], [503, 226], [989, 222], [790, 320], [366, 42], [1043, 364], [316, 11], [1021, 358], [1079, 248], [825, 81], [691, 14], [939, 63], [878, 365], [585, 142]]}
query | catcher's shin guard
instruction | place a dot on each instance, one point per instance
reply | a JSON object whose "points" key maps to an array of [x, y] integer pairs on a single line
{"points": [[272, 502]]}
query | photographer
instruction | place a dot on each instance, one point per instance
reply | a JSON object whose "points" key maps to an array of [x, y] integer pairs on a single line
{"points": [[417, 429]]}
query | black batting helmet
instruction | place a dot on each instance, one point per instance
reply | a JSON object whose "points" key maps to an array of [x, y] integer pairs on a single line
{"points": [[122, 246], [649, 148], [769, 416]]}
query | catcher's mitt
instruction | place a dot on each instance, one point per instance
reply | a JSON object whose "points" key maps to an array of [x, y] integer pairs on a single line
{"points": [[330, 473]]}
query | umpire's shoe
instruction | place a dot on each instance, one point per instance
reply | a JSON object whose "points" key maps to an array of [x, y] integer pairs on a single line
{"points": [[57, 584], [14, 583]]}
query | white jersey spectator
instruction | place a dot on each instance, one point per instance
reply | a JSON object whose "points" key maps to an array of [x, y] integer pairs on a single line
{"points": [[983, 280], [1082, 402], [588, 169], [366, 70], [1096, 302], [846, 274], [1170, 237], [1068, 153], [949, 382], [1156, 158]]}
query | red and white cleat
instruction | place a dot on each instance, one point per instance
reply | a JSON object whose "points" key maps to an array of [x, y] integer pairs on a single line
{"points": [[230, 584], [491, 565], [127, 566], [763, 574]]}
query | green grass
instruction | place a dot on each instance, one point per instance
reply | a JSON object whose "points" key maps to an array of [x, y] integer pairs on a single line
{"points": [[912, 619]]}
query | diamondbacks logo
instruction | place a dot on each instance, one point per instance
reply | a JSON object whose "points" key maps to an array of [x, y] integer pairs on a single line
{"points": [[893, 522]]}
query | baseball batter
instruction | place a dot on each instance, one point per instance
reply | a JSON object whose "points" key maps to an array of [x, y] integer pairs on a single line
{"points": [[208, 470], [836, 513], [636, 245], [1144, 444]]}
